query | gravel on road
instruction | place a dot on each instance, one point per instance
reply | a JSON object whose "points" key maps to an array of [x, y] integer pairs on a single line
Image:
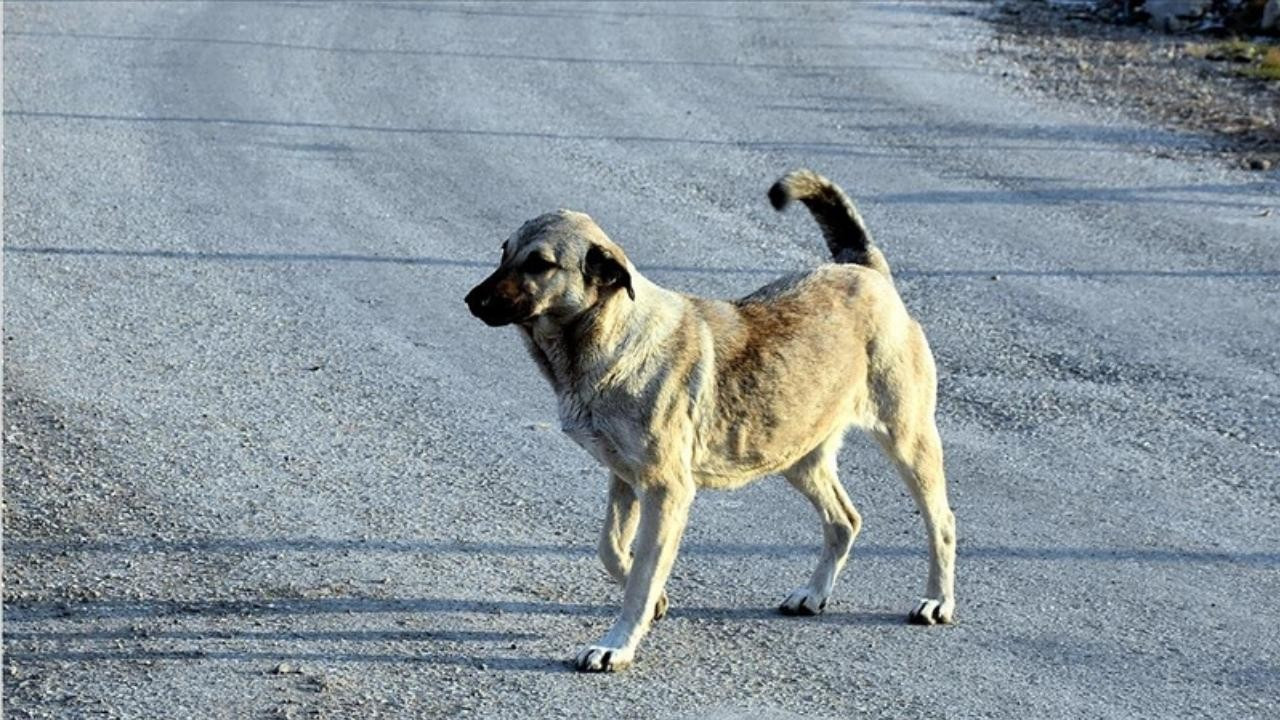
{"points": [[261, 462]]}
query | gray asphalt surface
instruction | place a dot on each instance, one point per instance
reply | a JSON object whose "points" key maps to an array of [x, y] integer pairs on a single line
{"points": [[260, 462]]}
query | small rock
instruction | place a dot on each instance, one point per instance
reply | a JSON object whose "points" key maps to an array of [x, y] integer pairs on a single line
{"points": [[1271, 16], [285, 668], [1174, 15]]}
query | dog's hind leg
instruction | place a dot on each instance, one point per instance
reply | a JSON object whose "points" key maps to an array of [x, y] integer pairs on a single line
{"points": [[620, 519], [905, 397], [815, 476], [917, 451]]}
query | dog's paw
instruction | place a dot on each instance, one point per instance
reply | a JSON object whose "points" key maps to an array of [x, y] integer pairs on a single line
{"points": [[803, 601], [660, 610], [598, 658], [932, 612]]}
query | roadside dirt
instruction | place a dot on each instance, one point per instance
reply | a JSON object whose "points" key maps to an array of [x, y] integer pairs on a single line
{"points": [[1205, 87]]}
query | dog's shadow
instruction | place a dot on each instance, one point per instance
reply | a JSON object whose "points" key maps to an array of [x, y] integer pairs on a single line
{"points": [[20, 615], [771, 613], [107, 630], [262, 630]]}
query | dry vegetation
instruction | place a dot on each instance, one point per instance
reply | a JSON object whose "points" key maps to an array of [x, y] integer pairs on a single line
{"points": [[1224, 92]]}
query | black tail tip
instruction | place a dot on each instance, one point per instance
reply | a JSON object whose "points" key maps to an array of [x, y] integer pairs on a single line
{"points": [[778, 195]]}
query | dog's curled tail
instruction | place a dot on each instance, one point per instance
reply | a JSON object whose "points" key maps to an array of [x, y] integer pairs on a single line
{"points": [[842, 225]]}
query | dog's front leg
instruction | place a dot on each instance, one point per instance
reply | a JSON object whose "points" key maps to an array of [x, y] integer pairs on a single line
{"points": [[664, 510], [620, 519]]}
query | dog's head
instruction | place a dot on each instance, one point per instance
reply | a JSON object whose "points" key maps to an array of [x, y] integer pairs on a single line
{"points": [[558, 265]]}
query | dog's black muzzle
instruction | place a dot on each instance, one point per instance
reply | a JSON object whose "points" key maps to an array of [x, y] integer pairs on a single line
{"points": [[487, 304]]}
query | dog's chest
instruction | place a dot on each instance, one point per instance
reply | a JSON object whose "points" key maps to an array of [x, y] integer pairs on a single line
{"points": [[585, 407], [595, 434]]}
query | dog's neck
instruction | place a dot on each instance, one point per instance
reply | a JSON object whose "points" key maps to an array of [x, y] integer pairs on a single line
{"points": [[601, 346]]}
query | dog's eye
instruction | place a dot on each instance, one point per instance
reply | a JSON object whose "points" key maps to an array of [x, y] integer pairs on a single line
{"points": [[536, 265]]}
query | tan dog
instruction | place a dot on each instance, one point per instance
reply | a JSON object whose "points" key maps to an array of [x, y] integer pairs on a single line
{"points": [[673, 393]]}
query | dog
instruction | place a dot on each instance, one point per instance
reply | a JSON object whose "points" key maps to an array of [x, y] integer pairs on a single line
{"points": [[673, 393]]}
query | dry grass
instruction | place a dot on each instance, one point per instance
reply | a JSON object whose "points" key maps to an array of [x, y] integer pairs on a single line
{"points": [[1231, 100], [1253, 59], [1268, 68]]}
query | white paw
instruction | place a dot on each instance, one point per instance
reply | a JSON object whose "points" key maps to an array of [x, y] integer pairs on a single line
{"points": [[933, 612], [803, 601], [599, 658]]}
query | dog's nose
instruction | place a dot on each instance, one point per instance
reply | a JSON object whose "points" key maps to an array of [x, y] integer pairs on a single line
{"points": [[477, 300]]}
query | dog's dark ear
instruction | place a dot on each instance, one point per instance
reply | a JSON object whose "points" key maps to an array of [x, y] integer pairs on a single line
{"points": [[605, 270]]}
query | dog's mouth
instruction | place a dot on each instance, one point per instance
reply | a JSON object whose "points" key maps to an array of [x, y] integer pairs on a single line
{"points": [[500, 321], [496, 317], [496, 313]]}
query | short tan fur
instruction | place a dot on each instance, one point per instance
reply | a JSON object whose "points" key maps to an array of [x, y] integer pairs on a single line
{"points": [[673, 393]]}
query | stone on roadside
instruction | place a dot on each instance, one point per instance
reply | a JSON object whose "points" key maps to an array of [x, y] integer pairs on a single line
{"points": [[1271, 17], [1175, 15]]}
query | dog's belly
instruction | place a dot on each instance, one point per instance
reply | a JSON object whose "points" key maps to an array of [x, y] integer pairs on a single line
{"points": [[729, 470], [738, 451], [731, 477], [728, 456]]}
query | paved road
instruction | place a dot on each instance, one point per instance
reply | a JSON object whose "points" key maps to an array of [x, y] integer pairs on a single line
{"points": [[260, 462]]}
